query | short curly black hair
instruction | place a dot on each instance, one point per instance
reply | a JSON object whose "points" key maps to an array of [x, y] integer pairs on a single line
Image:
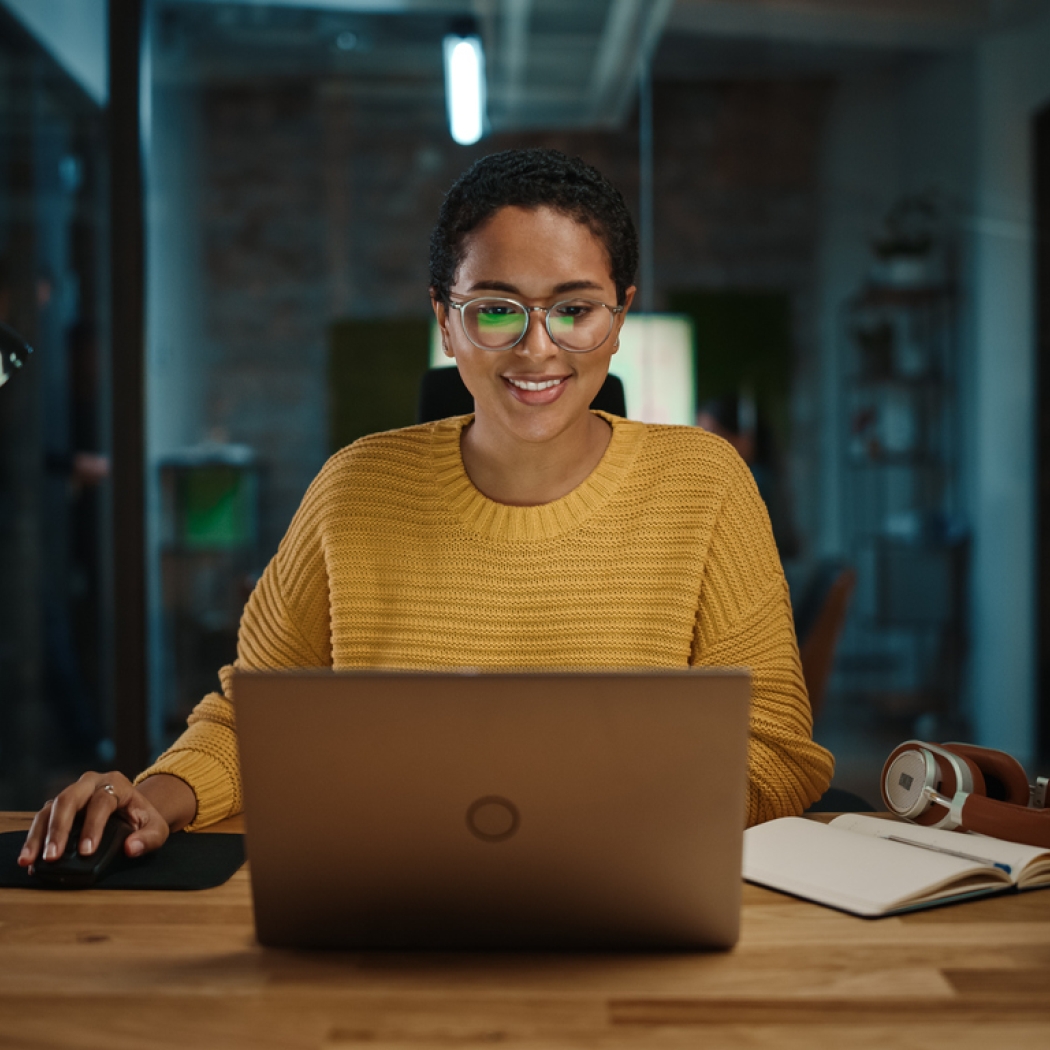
{"points": [[532, 178]]}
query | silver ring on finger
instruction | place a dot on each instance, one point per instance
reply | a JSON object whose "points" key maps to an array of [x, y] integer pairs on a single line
{"points": [[110, 789]]}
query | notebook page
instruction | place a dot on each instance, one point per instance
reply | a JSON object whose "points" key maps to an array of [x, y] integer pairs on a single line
{"points": [[1013, 854], [859, 873]]}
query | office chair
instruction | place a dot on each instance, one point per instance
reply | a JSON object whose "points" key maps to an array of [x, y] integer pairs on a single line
{"points": [[820, 615], [819, 619], [442, 394]]}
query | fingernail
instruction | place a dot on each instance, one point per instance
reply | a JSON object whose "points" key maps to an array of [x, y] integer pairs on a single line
{"points": [[86, 846], [50, 851], [135, 847], [24, 855]]}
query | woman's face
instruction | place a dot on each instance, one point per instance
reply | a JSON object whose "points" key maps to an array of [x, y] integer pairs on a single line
{"points": [[538, 256]]}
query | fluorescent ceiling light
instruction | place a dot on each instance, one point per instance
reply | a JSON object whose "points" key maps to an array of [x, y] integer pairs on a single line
{"points": [[465, 87]]}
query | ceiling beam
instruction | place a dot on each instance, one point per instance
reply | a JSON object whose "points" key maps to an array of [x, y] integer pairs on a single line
{"points": [[901, 24], [364, 7], [632, 30], [514, 53]]}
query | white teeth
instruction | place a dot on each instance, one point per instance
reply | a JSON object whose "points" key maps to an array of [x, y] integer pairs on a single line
{"points": [[524, 384]]}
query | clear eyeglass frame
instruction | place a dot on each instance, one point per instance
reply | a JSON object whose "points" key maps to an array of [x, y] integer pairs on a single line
{"points": [[611, 311]]}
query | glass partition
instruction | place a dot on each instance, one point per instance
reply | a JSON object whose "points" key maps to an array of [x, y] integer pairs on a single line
{"points": [[835, 205], [55, 716]]}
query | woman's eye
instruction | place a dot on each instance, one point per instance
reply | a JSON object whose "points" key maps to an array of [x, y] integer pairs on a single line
{"points": [[573, 310], [495, 311]]}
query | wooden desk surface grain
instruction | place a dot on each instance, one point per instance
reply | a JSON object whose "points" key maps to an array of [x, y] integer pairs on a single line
{"points": [[121, 969]]}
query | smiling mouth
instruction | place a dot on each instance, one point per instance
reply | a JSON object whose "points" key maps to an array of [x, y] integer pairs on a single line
{"points": [[528, 384]]}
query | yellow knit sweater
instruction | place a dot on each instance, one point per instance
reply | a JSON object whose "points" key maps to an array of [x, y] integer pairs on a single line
{"points": [[663, 557]]}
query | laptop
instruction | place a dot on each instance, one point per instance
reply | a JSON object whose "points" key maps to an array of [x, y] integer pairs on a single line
{"points": [[533, 810]]}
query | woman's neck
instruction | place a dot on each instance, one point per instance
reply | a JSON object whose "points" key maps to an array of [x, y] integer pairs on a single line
{"points": [[523, 474]]}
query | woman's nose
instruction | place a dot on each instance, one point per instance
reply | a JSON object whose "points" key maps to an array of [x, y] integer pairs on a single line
{"points": [[537, 342]]}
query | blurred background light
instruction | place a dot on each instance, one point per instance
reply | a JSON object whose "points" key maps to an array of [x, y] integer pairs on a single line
{"points": [[465, 87]]}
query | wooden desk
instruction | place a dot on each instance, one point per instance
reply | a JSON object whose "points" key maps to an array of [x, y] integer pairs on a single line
{"points": [[113, 969]]}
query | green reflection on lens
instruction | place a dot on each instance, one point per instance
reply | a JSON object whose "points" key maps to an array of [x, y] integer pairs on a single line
{"points": [[499, 323]]}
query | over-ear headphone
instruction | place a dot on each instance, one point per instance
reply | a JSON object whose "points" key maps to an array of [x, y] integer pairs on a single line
{"points": [[959, 786]]}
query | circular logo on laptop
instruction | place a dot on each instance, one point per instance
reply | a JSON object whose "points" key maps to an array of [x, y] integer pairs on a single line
{"points": [[492, 818]]}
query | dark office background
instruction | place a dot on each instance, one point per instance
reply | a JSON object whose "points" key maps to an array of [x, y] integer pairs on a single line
{"points": [[849, 205]]}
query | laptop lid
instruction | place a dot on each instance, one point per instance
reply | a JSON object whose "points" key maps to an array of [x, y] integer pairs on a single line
{"points": [[476, 810]]}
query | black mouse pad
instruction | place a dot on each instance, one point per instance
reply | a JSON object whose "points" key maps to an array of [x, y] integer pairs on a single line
{"points": [[184, 862]]}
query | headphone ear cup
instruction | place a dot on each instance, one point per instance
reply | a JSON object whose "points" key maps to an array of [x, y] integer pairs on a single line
{"points": [[909, 774], [904, 775], [1004, 777], [914, 769]]}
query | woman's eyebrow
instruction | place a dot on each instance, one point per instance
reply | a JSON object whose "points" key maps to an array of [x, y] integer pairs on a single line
{"points": [[558, 289]]}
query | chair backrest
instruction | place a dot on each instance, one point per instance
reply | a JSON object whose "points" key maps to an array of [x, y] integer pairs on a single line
{"points": [[442, 394], [821, 617]]}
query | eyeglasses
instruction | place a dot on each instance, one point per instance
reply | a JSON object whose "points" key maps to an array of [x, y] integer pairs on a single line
{"points": [[576, 325]]}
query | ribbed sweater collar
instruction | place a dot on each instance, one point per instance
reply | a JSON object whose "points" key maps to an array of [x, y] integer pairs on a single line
{"points": [[500, 522]]}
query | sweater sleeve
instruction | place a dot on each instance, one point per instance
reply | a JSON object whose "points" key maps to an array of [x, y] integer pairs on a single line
{"points": [[286, 624], [744, 620]]}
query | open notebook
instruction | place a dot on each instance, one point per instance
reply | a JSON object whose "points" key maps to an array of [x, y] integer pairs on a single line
{"points": [[872, 867]]}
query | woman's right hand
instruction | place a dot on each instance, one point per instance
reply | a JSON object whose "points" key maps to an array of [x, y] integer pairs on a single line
{"points": [[100, 795]]}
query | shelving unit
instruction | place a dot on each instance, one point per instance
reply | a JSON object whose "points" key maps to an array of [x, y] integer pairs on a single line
{"points": [[904, 649]]}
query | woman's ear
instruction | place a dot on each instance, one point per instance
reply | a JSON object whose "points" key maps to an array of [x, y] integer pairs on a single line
{"points": [[441, 312]]}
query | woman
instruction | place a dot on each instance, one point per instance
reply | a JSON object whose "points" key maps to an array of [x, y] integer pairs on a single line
{"points": [[533, 533]]}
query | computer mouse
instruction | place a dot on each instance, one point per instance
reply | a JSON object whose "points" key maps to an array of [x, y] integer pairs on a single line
{"points": [[72, 870]]}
